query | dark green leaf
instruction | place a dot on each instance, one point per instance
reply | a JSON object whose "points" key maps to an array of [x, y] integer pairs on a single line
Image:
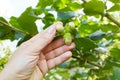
{"points": [[64, 65], [94, 7], [115, 53], [109, 27], [97, 35], [65, 15], [27, 21], [13, 21], [48, 20], [116, 73], [85, 44], [5, 31]]}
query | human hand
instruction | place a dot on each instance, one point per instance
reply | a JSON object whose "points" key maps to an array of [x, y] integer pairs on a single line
{"points": [[35, 57]]}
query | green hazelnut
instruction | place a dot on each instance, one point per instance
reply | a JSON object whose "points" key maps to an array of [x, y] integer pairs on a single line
{"points": [[59, 28], [67, 38], [72, 25]]}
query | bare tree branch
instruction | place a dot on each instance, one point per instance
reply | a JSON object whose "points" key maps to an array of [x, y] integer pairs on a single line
{"points": [[112, 19], [13, 28]]}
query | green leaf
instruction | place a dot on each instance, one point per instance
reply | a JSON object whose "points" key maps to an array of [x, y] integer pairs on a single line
{"points": [[44, 3], [66, 5], [97, 35], [87, 29], [65, 15], [13, 21], [116, 73], [48, 20], [85, 44], [62, 5], [4, 28], [5, 31], [75, 33], [115, 1], [115, 53], [75, 6], [116, 7], [94, 7], [27, 21], [109, 27]]}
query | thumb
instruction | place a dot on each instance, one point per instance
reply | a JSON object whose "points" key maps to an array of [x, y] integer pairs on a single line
{"points": [[42, 39]]}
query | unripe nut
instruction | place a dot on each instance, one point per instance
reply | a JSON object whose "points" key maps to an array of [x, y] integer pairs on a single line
{"points": [[71, 24], [67, 38], [59, 27]]}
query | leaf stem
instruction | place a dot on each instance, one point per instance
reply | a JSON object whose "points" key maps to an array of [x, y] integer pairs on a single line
{"points": [[87, 61], [13, 28], [112, 19]]}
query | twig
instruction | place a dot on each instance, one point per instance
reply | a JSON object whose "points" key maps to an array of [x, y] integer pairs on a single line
{"points": [[112, 19], [87, 62], [13, 28]]}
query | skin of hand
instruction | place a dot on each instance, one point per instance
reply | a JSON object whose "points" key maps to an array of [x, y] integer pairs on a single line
{"points": [[35, 57]]}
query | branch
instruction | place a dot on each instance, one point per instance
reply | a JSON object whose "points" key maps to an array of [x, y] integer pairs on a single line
{"points": [[112, 19], [88, 62], [13, 28]]}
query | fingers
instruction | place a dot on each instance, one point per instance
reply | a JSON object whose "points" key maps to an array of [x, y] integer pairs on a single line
{"points": [[59, 51], [58, 60], [42, 64], [41, 40], [55, 44]]}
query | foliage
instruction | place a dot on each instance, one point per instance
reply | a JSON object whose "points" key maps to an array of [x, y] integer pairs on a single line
{"points": [[96, 35], [4, 55]]}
